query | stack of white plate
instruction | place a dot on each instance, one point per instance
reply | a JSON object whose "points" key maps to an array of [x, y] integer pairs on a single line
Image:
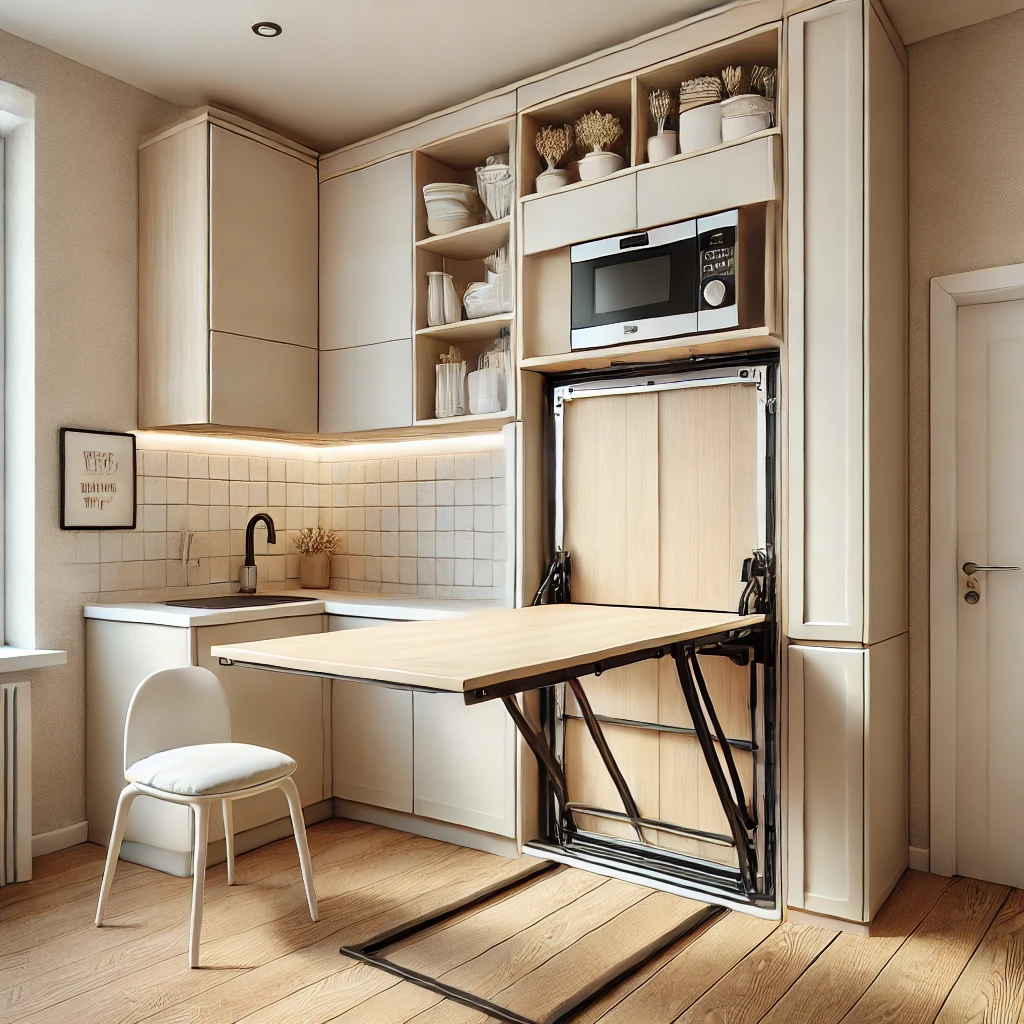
{"points": [[451, 207]]}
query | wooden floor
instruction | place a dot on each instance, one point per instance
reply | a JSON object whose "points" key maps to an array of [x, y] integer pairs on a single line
{"points": [[950, 950]]}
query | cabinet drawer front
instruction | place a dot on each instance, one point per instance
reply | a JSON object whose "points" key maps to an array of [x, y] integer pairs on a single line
{"points": [[366, 388], [742, 175], [826, 780], [263, 241], [263, 384], [825, 331], [593, 211], [366, 250]]}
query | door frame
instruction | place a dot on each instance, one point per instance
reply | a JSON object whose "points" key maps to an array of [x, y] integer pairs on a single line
{"points": [[997, 284]]}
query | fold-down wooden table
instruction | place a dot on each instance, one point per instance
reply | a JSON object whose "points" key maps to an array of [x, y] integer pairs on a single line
{"points": [[498, 655]]}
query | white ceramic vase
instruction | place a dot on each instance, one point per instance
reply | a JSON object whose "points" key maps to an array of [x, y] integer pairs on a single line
{"points": [[599, 165], [700, 128], [552, 178], [662, 147]]}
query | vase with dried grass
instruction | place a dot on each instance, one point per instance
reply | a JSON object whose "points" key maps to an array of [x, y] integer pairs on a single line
{"points": [[596, 132], [315, 546], [553, 143]]}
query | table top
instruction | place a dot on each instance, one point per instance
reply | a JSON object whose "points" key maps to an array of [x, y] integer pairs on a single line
{"points": [[487, 648]]}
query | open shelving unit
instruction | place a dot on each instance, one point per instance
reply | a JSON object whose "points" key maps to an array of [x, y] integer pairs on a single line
{"points": [[461, 254]]}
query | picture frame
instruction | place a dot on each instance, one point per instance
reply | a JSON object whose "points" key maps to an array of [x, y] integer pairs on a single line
{"points": [[98, 480]]}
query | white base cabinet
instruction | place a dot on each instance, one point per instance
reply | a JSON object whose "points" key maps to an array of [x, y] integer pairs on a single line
{"points": [[281, 711], [847, 777], [427, 755]]}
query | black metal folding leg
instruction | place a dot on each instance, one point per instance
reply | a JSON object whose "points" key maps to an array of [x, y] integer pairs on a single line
{"points": [[695, 693]]}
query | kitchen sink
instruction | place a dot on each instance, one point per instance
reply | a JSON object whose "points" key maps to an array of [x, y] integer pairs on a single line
{"points": [[237, 601]]}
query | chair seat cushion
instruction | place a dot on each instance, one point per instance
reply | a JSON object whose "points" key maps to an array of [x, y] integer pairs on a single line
{"points": [[210, 768]]}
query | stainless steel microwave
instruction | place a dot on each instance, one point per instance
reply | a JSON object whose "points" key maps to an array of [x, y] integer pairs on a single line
{"points": [[705, 274]]}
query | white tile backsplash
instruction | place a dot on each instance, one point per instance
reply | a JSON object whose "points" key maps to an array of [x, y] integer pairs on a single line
{"points": [[429, 525]]}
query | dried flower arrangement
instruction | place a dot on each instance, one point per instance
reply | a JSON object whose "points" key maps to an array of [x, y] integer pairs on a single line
{"points": [[696, 92], [315, 540], [732, 79], [596, 132], [554, 142], [763, 80], [661, 107]]}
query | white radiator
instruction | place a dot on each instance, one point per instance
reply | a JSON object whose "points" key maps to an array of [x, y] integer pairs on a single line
{"points": [[15, 783]]}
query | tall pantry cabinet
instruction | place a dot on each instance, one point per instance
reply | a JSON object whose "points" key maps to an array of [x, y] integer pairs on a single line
{"points": [[846, 589]]}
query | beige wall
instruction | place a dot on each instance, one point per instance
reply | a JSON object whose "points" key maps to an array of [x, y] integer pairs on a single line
{"points": [[966, 213], [87, 128]]}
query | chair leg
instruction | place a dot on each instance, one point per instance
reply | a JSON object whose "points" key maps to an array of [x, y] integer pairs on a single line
{"points": [[124, 805], [202, 817], [229, 840], [291, 793]]}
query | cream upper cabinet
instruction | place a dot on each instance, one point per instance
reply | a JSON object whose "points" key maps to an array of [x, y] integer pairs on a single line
{"points": [[847, 327], [366, 253], [579, 214], [227, 278], [263, 241], [366, 388]]}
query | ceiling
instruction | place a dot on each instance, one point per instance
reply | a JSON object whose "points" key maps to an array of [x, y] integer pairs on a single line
{"points": [[343, 70], [915, 20]]}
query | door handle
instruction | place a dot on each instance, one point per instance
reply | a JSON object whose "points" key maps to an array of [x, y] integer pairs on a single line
{"points": [[970, 568]]}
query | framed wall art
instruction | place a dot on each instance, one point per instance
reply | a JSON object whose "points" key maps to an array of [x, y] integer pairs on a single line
{"points": [[97, 480]]}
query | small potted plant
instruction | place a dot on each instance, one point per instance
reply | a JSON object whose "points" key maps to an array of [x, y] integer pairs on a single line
{"points": [[595, 133], [315, 546], [553, 143], [663, 145]]}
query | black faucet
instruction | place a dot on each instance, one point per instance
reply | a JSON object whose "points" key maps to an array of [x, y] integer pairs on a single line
{"points": [[247, 574]]}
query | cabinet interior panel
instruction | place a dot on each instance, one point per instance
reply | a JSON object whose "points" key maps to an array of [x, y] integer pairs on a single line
{"points": [[629, 692], [173, 272], [707, 473], [729, 689], [610, 482], [636, 753]]}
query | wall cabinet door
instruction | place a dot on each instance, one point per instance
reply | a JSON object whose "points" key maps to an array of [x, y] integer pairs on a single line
{"points": [[847, 777], [580, 214], [366, 388], [826, 323], [464, 763], [366, 253], [271, 709], [263, 241], [371, 737], [266, 384]]}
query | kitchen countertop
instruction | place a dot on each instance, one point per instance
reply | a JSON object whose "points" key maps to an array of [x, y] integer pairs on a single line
{"points": [[331, 602]]}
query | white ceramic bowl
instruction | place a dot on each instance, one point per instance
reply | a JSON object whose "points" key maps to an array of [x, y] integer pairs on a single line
{"points": [[551, 179], [598, 165], [444, 223], [744, 115]]}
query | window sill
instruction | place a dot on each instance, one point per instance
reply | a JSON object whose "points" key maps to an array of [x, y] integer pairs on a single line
{"points": [[17, 659]]}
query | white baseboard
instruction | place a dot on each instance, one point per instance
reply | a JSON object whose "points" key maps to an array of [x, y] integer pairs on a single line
{"points": [[918, 859], [60, 838]]}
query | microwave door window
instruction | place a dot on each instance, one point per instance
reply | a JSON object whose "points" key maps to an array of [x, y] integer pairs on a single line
{"points": [[620, 287]]}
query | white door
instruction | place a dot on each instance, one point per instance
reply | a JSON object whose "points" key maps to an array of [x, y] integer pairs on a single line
{"points": [[990, 532]]}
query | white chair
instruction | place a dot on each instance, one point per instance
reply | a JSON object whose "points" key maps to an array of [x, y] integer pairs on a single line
{"points": [[177, 747]]}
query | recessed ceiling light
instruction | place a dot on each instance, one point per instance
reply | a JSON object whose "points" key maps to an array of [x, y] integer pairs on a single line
{"points": [[267, 29]]}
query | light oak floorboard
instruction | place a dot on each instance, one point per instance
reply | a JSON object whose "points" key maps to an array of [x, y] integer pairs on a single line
{"points": [[681, 982], [461, 940], [827, 990], [914, 984], [73, 977], [755, 984], [991, 988]]}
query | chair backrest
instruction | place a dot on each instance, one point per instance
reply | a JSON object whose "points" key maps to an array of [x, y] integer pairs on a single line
{"points": [[176, 707]]}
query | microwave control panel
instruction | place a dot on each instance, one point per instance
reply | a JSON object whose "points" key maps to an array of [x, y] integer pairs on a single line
{"points": [[717, 267]]}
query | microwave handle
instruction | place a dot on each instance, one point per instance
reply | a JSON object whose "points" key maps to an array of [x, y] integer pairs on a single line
{"points": [[638, 241]]}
